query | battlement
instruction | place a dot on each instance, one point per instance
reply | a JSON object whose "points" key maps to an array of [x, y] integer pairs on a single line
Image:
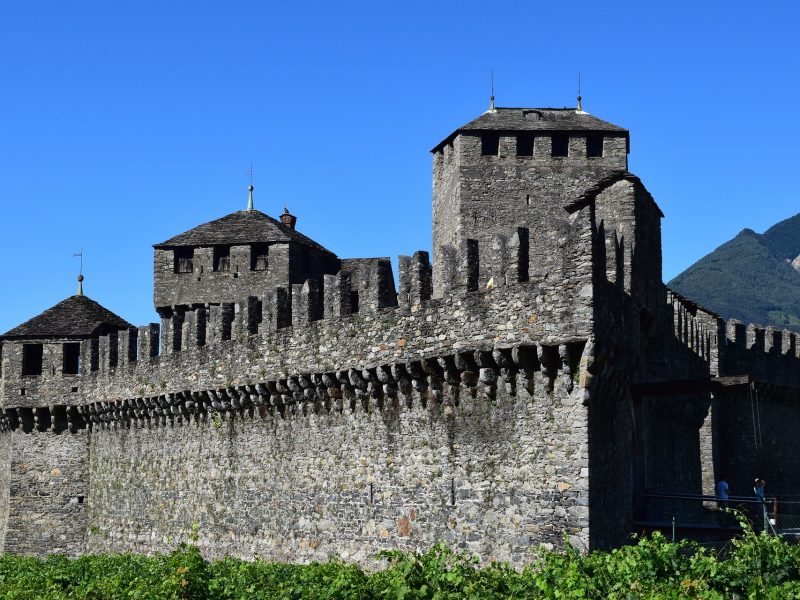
{"points": [[437, 379], [327, 327], [734, 348]]}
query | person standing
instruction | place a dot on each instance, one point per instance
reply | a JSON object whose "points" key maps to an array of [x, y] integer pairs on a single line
{"points": [[758, 490], [722, 490]]}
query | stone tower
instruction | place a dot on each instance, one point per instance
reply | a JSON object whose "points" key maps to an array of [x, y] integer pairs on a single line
{"points": [[515, 169]]}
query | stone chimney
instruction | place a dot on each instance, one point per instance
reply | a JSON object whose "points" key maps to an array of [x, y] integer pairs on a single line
{"points": [[288, 219]]}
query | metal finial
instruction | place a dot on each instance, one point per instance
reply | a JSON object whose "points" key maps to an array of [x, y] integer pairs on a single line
{"points": [[491, 98], [580, 107], [80, 273], [250, 189]]}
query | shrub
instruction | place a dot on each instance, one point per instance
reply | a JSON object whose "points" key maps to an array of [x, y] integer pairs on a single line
{"points": [[754, 566]]}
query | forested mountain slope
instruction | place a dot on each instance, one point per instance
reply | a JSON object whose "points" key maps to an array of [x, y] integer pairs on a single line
{"points": [[750, 278]]}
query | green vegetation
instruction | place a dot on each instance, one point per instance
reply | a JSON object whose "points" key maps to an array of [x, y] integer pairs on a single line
{"points": [[755, 566], [749, 278]]}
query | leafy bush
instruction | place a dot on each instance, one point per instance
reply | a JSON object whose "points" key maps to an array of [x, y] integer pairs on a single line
{"points": [[755, 566]]}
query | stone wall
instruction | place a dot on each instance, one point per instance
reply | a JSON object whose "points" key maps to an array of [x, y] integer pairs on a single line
{"points": [[496, 474], [45, 487]]}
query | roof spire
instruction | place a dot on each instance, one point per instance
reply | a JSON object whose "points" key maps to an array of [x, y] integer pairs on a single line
{"points": [[580, 107], [250, 189], [491, 98], [80, 273]]}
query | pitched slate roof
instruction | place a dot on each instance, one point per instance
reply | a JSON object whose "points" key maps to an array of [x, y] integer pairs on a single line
{"points": [[241, 227], [535, 119], [77, 316]]}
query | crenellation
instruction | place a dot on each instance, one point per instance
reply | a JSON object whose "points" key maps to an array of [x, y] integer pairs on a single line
{"points": [[788, 343], [249, 316], [127, 343], [736, 332], [773, 340], [448, 280], [577, 147], [92, 360], [416, 285], [376, 286], [517, 256], [307, 303], [276, 307], [542, 147], [147, 343], [756, 337], [469, 265], [219, 322], [193, 329], [497, 266], [337, 295]]}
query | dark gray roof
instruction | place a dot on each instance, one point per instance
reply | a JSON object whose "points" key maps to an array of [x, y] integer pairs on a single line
{"points": [[241, 227], [75, 317], [535, 119]]}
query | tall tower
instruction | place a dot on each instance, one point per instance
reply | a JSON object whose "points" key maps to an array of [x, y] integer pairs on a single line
{"points": [[518, 168]]}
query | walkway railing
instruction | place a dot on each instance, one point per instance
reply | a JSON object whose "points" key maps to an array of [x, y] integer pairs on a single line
{"points": [[708, 515]]}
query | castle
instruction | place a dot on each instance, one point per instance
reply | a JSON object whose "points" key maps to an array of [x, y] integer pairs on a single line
{"points": [[535, 378]]}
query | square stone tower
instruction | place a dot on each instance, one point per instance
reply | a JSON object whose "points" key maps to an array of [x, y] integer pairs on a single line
{"points": [[518, 168]]}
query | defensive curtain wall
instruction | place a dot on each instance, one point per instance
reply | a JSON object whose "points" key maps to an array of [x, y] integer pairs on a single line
{"points": [[539, 383], [458, 419]]}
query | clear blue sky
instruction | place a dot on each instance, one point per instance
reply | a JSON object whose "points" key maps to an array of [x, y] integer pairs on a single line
{"points": [[124, 123]]}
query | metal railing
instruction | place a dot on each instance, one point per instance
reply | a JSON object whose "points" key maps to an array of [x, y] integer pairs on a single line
{"points": [[709, 514]]}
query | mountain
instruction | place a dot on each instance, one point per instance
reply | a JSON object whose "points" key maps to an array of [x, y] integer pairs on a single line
{"points": [[750, 278]]}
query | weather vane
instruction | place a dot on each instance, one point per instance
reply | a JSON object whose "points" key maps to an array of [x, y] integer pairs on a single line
{"points": [[250, 187], [491, 98], [80, 272]]}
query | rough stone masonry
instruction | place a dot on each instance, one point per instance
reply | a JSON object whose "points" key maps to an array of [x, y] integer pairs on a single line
{"points": [[534, 383]]}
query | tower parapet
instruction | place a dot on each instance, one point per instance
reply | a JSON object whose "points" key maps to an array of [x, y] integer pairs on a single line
{"points": [[519, 167]]}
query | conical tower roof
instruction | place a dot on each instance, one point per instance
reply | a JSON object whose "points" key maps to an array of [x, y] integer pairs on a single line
{"points": [[76, 317]]}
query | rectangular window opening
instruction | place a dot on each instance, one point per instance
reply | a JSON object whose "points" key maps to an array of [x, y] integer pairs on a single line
{"points": [[72, 358], [524, 145], [490, 144], [184, 260], [222, 258], [560, 145], [594, 146], [32, 359], [258, 257]]}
